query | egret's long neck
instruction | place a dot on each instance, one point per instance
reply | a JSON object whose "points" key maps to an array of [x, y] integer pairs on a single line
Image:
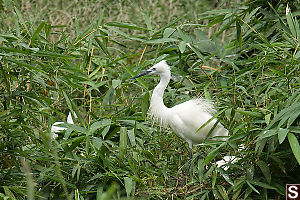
{"points": [[157, 104]]}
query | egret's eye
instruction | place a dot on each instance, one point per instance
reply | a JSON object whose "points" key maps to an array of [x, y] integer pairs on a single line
{"points": [[153, 69]]}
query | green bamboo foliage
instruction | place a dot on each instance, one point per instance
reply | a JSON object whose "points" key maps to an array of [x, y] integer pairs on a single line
{"points": [[245, 59]]}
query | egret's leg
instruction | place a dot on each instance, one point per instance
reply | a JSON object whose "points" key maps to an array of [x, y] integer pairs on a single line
{"points": [[186, 174]]}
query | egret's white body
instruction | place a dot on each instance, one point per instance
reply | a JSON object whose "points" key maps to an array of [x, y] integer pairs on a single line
{"points": [[186, 118], [55, 128]]}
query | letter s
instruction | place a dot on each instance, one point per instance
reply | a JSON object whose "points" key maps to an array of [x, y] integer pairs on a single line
{"points": [[293, 192]]}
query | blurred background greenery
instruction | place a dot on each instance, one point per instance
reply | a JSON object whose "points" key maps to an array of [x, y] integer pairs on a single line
{"points": [[58, 57]]}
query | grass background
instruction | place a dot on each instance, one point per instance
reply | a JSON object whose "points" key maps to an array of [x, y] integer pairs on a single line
{"points": [[78, 56]]}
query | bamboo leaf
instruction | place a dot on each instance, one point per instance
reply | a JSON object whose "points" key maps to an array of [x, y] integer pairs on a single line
{"points": [[250, 113], [54, 55], [226, 177], [294, 146], [282, 133], [284, 27], [252, 187], [100, 19], [285, 112], [265, 170], [20, 18], [145, 104], [128, 185], [261, 184], [198, 53], [222, 192], [239, 33], [290, 21], [97, 143], [115, 83], [212, 155], [161, 40], [168, 32], [131, 137], [123, 33], [168, 25], [97, 125], [104, 49], [36, 33], [294, 115], [147, 21], [266, 134], [182, 46], [126, 25], [183, 36], [123, 143]]}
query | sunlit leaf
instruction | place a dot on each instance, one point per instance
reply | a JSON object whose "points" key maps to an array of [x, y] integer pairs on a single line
{"points": [[282, 133], [128, 185], [294, 146], [123, 143]]}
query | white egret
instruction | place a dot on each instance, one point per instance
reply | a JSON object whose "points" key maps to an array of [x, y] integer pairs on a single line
{"points": [[186, 118], [55, 128]]}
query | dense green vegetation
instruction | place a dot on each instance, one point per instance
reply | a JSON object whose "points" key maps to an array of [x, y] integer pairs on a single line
{"points": [[245, 57]]}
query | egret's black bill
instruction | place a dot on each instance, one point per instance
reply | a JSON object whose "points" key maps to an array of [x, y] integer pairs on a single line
{"points": [[141, 74]]}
